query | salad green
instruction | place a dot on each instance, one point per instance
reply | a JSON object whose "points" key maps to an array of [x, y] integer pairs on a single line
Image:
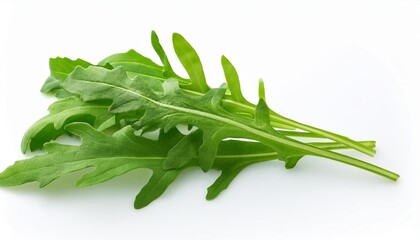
{"points": [[110, 106]]}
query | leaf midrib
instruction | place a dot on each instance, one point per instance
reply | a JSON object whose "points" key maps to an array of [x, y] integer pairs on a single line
{"points": [[137, 63]]}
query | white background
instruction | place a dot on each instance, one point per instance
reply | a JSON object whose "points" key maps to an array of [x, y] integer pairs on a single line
{"points": [[347, 66]]}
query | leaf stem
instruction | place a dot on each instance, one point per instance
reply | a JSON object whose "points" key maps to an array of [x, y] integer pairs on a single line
{"points": [[333, 136], [279, 121], [268, 156]]}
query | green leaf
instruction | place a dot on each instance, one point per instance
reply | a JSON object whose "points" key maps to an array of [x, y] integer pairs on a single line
{"points": [[223, 181], [168, 71], [63, 112], [262, 115], [60, 68], [134, 62], [184, 151], [233, 84], [191, 62], [128, 92], [253, 153], [155, 187], [175, 107], [110, 155], [235, 104], [51, 85], [161, 53]]}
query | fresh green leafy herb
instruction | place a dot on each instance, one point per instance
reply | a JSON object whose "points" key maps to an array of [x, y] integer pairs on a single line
{"points": [[170, 107], [136, 64], [105, 105], [62, 112], [123, 151]]}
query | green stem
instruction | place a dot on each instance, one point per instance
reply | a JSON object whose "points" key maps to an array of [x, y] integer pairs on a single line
{"points": [[280, 121], [268, 156], [338, 146], [333, 136], [358, 163], [299, 134]]}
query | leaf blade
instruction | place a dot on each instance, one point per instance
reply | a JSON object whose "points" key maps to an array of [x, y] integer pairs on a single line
{"points": [[62, 113], [155, 187], [232, 79], [191, 62], [60, 68]]}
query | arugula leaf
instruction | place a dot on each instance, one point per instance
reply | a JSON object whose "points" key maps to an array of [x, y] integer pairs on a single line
{"points": [[136, 64], [191, 62], [181, 47], [253, 153], [105, 104], [174, 107], [168, 72], [60, 68], [72, 111], [155, 187], [63, 112], [112, 156], [184, 151], [197, 86], [233, 84]]}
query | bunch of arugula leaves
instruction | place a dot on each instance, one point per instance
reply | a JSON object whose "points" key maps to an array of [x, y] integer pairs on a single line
{"points": [[107, 104]]}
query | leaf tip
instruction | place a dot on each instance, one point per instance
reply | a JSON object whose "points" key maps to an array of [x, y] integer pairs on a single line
{"points": [[170, 164], [177, 36], [141, 202], [224, 59], [291, 163], [261, 89], [138, 205], [154, 37], [82, 182], [210, 195], [206, 165], [179, 42]]}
